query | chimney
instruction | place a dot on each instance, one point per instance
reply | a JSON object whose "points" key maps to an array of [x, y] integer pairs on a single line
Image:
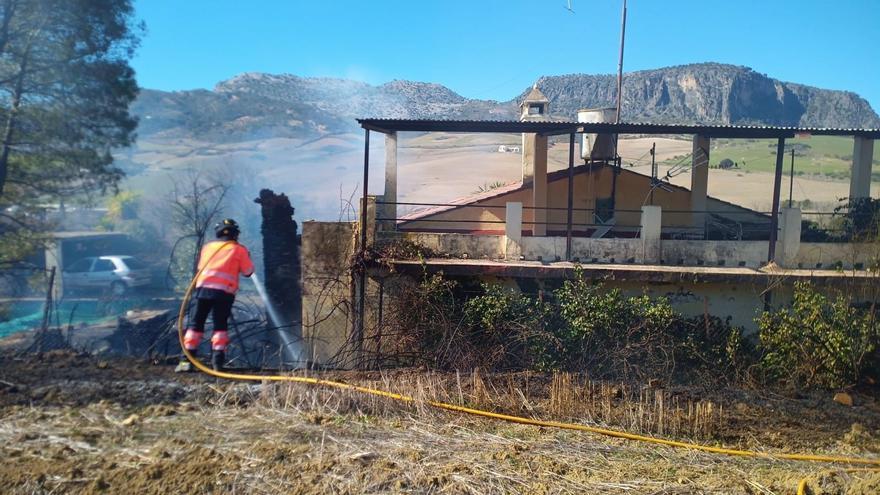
{"points": [[534, 108]]}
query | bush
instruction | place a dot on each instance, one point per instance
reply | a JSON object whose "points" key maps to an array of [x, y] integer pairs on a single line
{"points": [[609, 334], [861, 218], [819, 341], [581, 326], [510, 327], [604, 332], [585, 327]]}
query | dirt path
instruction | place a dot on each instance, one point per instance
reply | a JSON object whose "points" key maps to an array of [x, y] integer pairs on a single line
{"points": [[145, 430]]}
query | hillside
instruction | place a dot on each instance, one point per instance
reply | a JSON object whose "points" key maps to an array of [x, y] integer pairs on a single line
{"points": [[710, 94], [254, 106]]}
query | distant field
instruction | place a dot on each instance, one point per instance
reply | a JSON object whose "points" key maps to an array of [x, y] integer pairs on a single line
{"points": [[817, 155]]}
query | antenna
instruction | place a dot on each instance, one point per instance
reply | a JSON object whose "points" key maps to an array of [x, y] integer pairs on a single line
{"points": [[568, 8]]}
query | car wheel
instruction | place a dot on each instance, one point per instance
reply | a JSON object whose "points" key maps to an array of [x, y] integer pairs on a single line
{"points": [[118, 288]]}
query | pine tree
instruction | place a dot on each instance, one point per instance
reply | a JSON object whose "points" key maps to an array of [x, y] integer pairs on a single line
{"points": [[65, 89]]}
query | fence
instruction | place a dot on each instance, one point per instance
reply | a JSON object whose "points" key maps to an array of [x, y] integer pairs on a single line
{"points": [[493, 218], [717, 225]]}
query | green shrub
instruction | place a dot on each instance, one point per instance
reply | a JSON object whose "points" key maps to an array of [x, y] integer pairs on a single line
{"points": [[510, 327], [604, 332], [819, 341], [861, 218], [583, 326]]}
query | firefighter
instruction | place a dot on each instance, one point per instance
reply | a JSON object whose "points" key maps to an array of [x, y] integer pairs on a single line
{"points": [[220, 264]]}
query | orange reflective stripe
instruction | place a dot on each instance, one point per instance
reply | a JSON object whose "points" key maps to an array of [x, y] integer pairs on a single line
{"points": [[192, 339], [219, 340]]}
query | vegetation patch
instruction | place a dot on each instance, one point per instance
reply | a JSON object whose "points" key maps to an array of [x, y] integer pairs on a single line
{"points": [[584, 327]]}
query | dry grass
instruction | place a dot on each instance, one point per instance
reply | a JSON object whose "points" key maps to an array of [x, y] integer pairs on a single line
{"points": [[75, 427], [561, 396], [294, 438]]}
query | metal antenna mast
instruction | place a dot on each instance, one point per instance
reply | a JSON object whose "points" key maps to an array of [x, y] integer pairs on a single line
{"points": [[620, 61]]}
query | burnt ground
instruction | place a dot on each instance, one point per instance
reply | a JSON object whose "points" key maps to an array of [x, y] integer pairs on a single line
{"points": [[75, 423]]}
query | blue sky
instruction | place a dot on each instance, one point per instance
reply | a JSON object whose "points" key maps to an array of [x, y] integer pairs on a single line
{"points": [[496, 48]]}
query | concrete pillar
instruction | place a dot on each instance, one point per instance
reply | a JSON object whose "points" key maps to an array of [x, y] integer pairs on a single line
{"points": [[528, 158], [390, 196], [513, 219], [371, 219], [535, 155], [860, 179], [650, 233], [699, 180], [790, 226]]}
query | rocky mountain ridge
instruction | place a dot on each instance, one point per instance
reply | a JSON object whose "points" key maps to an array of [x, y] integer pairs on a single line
{"points": [[710, 93], [256, 105]]}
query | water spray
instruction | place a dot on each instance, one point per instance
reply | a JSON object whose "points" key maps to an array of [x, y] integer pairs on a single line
{"points": [[291, 350]]}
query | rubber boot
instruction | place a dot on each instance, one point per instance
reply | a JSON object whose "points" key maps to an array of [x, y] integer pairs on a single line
{"points": [[184, 366], [218, 360]]}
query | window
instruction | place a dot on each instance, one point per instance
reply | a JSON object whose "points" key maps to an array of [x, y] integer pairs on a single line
{"points": [[80, 266], [103, 266], [133, 263], [536, 109]]}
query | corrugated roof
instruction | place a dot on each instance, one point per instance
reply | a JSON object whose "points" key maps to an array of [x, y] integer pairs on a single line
{"points": [[567, 127]]}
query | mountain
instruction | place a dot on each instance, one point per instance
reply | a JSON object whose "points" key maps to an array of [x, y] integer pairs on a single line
{"points": [[256, 106], [709, 94]]}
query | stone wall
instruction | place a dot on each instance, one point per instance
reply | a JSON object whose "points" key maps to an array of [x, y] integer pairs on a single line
{"points": [[328, 289]]}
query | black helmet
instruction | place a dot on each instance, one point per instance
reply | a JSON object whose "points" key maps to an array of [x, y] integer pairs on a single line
{"points": [[227, 228]]}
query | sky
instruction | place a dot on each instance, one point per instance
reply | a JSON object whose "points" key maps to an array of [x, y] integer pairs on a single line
{"points": [[493, 49]]}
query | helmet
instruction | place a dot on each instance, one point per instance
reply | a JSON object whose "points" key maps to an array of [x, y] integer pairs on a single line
{"points": [[227, 228]]}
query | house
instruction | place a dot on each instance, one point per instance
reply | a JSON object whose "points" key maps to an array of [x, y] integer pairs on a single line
{"points": [[626, 229]]}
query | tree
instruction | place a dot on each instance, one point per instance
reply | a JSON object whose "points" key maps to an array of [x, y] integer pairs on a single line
{"points": [[196, 205], [124, 214], [65, 89]]}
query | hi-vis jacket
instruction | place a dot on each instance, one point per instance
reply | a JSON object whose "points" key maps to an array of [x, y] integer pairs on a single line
{"points": [[220, 263]]}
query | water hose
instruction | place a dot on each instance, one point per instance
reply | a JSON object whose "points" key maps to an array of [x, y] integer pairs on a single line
{"points": [[802, 486], [511, 418]]}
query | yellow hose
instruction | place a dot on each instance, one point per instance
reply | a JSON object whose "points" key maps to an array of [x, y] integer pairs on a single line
{"points": [[510, 418], [802, 486]]}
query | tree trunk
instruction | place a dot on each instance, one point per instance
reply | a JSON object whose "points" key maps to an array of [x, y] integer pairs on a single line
{"points": [[200, 241], [8, 13], [10, 124]]}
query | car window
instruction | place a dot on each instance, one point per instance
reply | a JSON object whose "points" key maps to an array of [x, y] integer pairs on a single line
{"points": [[82, 265], [134, 263], [103, 266]]}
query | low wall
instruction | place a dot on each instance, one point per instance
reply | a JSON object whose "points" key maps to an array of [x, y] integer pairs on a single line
{"points": [[618, 250], [727, 253], [752, 254], [453, 245], [830, 255]]}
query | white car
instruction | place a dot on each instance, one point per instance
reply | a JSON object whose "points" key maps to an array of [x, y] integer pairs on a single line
{"points": [[118, 274]]}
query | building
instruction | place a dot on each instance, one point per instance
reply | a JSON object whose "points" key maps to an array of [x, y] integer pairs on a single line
{"points": [[629, 230]]}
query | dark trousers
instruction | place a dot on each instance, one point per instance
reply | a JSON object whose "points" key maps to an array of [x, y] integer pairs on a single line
{"points": [[214, 302]]}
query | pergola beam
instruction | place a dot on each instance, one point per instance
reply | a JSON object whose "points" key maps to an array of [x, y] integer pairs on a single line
{"points": [[551, 128]]}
